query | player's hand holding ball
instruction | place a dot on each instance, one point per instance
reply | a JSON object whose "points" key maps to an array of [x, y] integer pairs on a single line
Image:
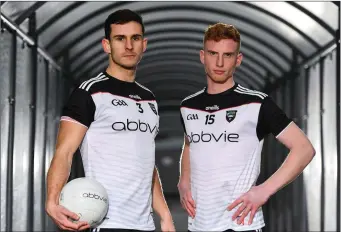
{"points": [[61, 216], [83, 203]]}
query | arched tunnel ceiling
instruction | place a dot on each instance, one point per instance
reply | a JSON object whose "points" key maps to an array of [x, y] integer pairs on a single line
{"points": [[272, 33]]}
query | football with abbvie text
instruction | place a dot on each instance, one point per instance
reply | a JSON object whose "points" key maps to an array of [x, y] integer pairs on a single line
{"points": [[87, 198]]}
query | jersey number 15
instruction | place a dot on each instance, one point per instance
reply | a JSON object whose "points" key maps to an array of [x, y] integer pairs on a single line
{"points": [[209, 119]]}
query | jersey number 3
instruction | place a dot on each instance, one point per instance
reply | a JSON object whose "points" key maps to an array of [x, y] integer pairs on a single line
{"points": [[209, 119], [140, 107]]}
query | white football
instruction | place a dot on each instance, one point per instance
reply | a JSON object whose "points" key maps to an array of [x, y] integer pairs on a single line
{"points": [[87, 198]]}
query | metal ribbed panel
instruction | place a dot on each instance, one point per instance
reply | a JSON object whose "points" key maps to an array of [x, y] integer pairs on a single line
{"points": [[39, 152], [6, 53], [330, 143], [23, 205], [52, 123], [22, 132], [312, 175]]}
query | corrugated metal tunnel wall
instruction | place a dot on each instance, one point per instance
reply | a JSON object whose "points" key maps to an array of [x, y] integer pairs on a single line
{"points": [[311, 202], [33, 89], [31, 97]]}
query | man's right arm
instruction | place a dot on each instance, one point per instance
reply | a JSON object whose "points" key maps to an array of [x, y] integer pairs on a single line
{"points": [[69, 138], [77, 116], [184, 184]]}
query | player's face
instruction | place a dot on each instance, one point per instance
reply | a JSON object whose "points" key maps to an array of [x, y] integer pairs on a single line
{"points": [[220, 59], [126, 44]]}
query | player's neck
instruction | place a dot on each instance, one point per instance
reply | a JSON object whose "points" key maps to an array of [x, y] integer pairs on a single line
{"points": [[216, 88], [121, 73]]}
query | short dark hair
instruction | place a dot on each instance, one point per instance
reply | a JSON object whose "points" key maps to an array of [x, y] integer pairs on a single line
{"points": [[122, 17]]}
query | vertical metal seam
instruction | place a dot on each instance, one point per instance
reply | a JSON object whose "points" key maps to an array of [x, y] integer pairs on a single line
{"points": [[277, 196], [1, 32], [306, 118], [294, 114], [306, 100], [43, 189], [9, 190], [299, 218], [337, 66], [32, 120], [322, 203], [285, 192]]}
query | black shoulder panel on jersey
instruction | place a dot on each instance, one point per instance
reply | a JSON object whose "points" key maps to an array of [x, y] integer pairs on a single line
{"points": [[249, 95], [94, 84], [145, 92], [192, 100], [271, 119], [104, 83], [233, 97], [80, 107]]}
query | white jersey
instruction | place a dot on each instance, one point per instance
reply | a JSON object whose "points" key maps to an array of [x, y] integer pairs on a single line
{"points": [[226, 133], [118, 149]]}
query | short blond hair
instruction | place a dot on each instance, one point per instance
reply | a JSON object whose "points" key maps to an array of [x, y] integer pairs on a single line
{"points": [[221, 31]]}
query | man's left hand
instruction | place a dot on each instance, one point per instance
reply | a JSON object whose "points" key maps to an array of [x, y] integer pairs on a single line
{"points": [[250, 202]]}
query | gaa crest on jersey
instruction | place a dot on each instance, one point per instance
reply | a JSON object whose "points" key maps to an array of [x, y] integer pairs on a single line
{"points": [[152, 107], [231, 115]]}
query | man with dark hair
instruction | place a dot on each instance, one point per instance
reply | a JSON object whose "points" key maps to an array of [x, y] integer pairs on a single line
{"points": [[122, 17], [225, 125], [114, 120]]}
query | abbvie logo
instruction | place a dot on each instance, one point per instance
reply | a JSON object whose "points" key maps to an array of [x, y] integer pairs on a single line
{"points": [[208, 137], [134, 126], [192, 117], [116, 102], [95, 196]]}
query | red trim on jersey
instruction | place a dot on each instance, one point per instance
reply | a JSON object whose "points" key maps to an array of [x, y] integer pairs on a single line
{"points": [[69, 119], [123, 97]]}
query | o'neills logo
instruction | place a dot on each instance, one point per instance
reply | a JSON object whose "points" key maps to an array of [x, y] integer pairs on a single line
{"points": [[95, 196], [215, 107], [135, 96]]}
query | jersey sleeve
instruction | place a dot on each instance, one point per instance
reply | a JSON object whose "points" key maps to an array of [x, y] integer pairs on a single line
{"points": [[271, 120], [79, 107], [182, 122]]}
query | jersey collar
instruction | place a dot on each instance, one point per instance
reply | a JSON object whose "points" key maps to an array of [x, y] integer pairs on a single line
{"points": [[226, 92], [118, 81]]}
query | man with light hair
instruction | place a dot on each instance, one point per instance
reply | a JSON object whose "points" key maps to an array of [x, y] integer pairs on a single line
{"points": [[225, 125]]}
